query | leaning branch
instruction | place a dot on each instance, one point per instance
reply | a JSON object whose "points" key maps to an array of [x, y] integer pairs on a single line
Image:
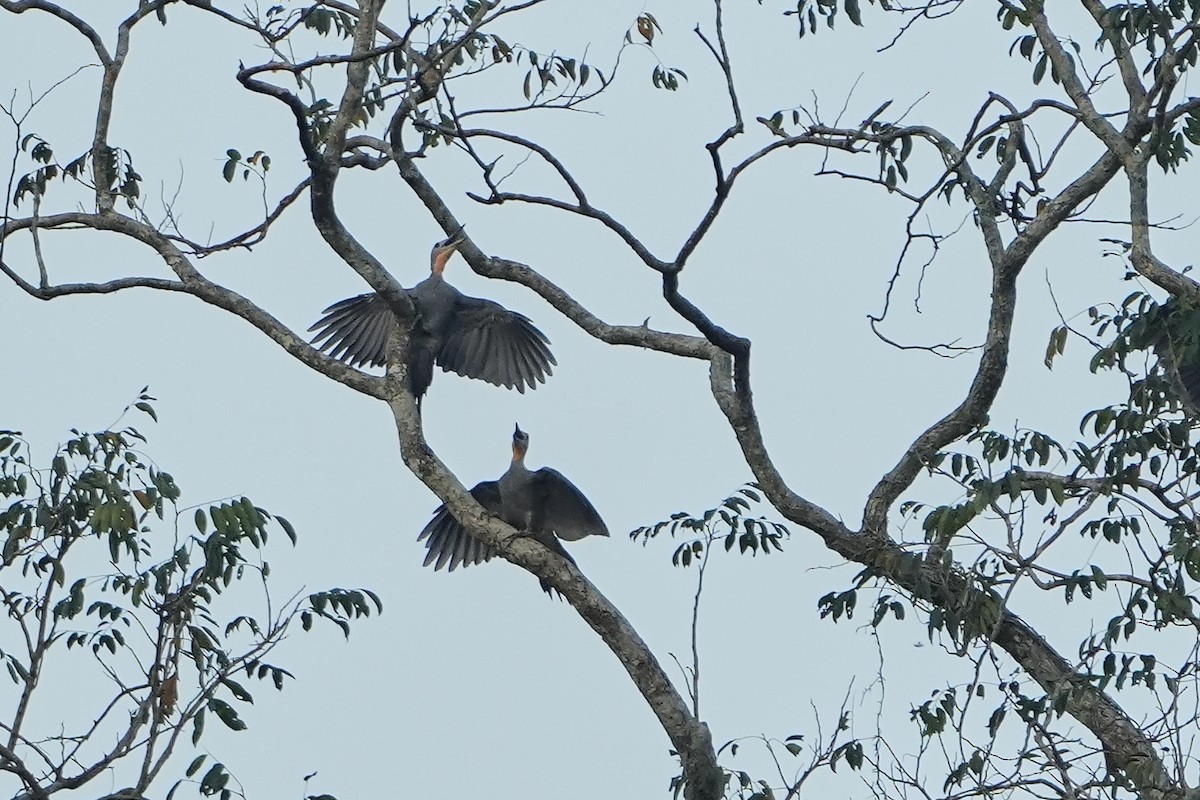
{"points": [[506, 269], [1007, 264], [689, 736], [190, 281], [84, 29]]}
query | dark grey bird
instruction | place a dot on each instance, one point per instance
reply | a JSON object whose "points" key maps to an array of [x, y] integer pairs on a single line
{"points": [[539, 503], [475, 338]]}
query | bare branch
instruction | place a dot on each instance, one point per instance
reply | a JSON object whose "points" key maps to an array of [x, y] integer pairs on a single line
{"points": [[191, 282], [504, 269]]}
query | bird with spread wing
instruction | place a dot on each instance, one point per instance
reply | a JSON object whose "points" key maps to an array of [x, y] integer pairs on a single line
{"points": [[476, 338], [540, 503]]}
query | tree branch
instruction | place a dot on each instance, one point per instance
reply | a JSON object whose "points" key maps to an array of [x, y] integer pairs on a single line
{"points": [[689, 736], [191, 282]]}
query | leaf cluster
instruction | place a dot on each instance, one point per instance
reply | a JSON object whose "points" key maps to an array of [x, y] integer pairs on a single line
{"points": [[94, 560], [726, 522], [810, 11], [114, 171]]}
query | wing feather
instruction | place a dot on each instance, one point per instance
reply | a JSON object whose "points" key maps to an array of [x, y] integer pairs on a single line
{"points": [[508, 371], [355, 330], [534, 354], [566, 510], [448, 542], [488, 342]]}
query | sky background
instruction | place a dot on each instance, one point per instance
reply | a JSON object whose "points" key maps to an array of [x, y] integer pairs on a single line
{"points": [[473, 683]]}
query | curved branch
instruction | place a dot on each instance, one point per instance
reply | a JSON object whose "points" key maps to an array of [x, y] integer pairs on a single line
{"points": [[929, 582], [689, 736], [190, 282], [1007, 263], [324, 169], [505, 269], [86, 30], [1125, 63], [1141, 255], [252, 236], [11, 762], [1064, 67]]}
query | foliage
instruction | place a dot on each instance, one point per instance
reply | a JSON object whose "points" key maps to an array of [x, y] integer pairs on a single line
{"points": [[100, 573], [727, 522], [975, 530]]}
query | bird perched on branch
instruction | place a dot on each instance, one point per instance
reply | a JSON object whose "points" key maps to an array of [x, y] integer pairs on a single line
{"points": [[475, 338], [539, 503]]}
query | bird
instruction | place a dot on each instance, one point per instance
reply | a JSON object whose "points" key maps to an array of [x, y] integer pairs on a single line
{"points": [[476, 338], [539, 503]]}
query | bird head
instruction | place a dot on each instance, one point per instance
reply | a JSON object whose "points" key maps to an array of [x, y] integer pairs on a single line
{"points": [[520, 443], [444, 249]]}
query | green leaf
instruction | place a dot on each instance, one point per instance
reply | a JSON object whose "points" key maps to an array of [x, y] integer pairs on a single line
{"points": [[854, 12], [237, 690], [1039, 69], [287, 528], [214, 780], [226, 714], [197, 762], [198, 727]]}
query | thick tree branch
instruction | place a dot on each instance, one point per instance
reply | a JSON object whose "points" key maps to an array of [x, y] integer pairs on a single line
{"points": [[689, 736], [86, 30], [1064, 67], [504, 269], [324, 168], [10, 762], [1123, 54], [993, 363], [191, 282], [928, 581], [1141, 254]]}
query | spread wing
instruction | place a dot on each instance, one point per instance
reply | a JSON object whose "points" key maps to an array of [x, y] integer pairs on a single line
{"points": [[564, 508], [447, 542], [355, 330], [488, 342]]}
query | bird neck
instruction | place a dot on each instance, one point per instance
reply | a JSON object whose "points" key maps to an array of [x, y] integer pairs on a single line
{"points": [[518, 458], [438, 266]]}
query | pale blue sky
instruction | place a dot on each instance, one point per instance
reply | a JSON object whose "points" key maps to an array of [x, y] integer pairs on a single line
{"points": [[473, 684]]}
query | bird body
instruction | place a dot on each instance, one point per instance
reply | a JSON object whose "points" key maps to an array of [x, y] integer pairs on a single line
{"points": [[474, 337], [540, 503]]}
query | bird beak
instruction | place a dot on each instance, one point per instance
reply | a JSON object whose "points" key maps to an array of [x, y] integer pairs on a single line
{"points": [[518, 446], [442, 253]]}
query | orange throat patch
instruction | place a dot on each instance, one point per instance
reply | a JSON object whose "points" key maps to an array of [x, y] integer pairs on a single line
{"points": [[439, 261]]}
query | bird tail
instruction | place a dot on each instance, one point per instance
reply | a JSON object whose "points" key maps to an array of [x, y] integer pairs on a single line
{"points": [[551, 541]]}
